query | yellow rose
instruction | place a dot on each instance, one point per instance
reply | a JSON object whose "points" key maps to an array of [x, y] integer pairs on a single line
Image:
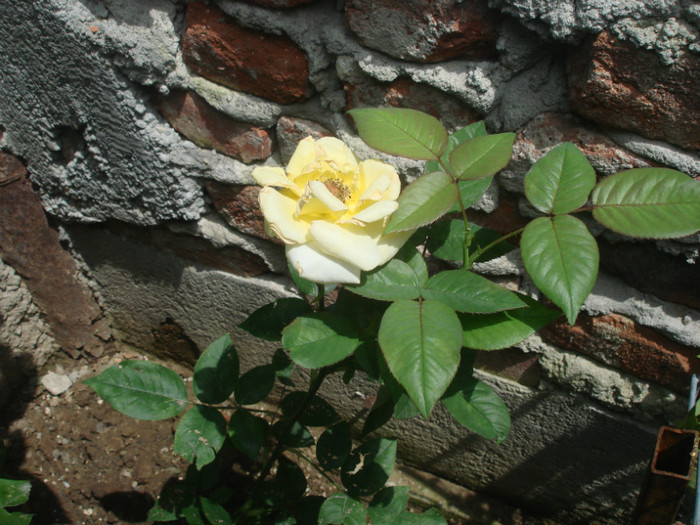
{"points": [[331, 211]]}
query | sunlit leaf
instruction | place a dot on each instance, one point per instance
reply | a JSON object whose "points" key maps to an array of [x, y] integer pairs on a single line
{"points": [[141, 389], [483, 156], [14, 492], [320, 339], [216, 371], [475, 129], [387, 505], [478, 408], [423, 201], [421, 342], [649, 203], [560, 181], [561, 257], [199, 435], [391, 282], [401, 131]]}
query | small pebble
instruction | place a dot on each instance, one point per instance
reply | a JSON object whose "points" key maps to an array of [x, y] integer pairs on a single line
{"points": [[55, 383]]}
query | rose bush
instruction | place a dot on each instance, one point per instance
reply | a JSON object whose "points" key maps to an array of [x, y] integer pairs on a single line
{"points": [[331, 210]]}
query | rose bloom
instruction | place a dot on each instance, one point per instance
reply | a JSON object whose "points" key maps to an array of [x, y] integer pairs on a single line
{"points": [[331, 211]]}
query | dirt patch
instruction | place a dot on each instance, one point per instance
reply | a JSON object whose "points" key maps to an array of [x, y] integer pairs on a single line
{"points": [[89, 464]]}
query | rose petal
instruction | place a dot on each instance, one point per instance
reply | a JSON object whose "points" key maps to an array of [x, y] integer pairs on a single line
{"points": [[363, 246], [375, 212], [304, 155], [336, 153], [279, 211], [318, 267], [273, 176], [376, 190], [375, 169], [320, 201]]}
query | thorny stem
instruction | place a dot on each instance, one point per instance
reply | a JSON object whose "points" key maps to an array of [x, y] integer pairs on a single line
{"points": [[320, 297]]}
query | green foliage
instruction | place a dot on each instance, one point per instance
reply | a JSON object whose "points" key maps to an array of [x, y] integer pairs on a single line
{"points": [[14, 493], [411, 327]]}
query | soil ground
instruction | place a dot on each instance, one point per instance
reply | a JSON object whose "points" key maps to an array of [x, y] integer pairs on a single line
{"points": [[88, 464]]}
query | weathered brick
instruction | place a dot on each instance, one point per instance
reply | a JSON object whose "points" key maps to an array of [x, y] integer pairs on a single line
{"points": [[511, 363], [425, 30], [291, 130], [404, 93], [239, 207], [33, 249], [188, 113], [620, 342], [616, 84], [218, 48]]}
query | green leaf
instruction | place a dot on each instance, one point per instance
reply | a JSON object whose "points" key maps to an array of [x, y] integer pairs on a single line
{"points": [[14, 518], [369, 466], [470, 191], [560, 181], [400, 131], [175, 496], [268, 321], [505, 329], [320, 339], [296, 436], [423, 201], [283, 367], [255, 385], [446, 241], [287, 486], [199, 435], [363, 312], [141, 389], [334, 446], [651, 203], [391, 282], [481, 157], [247, 432], [561, 257], [341, 509], [13, 492], [421, 342], [479, 409], [193, 515], [388, 504], [381, 411], [216, 372], [305, 286], [214, 512], [475, 129], [465, 291], [318, 413], [429, 517]]}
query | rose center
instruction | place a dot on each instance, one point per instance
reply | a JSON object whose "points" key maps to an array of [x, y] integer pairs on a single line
{"points": [[338, 189]]}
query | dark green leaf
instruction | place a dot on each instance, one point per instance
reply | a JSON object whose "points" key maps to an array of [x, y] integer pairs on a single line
{"points": [[465, 291], [482, 156], [381, 411], [505, 329], [305, 286], [479, 409], [141, 389], [333, 446], [363, 312], [283, 367], [561, 257], [199, 435], [420, 342], [318, 413], [446, 241], [320, 339], [247, 432], [14, 518], [391, 282], [214, 512], [387, 504], [255, 385], [13, 492], [216, 372], [175, 496], [400, 131], [652, 203], [268, 321], [288, 485], [429, 517], [342, 509], [193, 515], [423, 201], [296, 436], [369, 466]]}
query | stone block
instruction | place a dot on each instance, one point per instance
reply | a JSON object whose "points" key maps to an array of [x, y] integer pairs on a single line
{"points": [[239, 207], [614, 83], [216, 47], [188, 113], [291, 130], [425, 30], [279, 3]]}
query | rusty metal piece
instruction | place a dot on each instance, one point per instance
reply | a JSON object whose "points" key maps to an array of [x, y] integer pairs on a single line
{"points": [[667, 478]]}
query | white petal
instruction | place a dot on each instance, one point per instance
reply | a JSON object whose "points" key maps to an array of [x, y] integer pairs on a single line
{"points": [[272, 176], [363, 246], [304, 155], [335, 152], [279, 211], [318, 267], [376, 190], [321, 200], [375, 212], [374, 169]]}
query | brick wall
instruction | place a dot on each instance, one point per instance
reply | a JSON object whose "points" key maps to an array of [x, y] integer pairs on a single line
{"points": [[139, 124]]}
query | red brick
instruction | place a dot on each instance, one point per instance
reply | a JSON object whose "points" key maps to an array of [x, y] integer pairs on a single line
{"points": [[270, 66], [188, 113], [291, 130], [32, 248], [239, 207], [616, 84], [425, 30], [404, 93], [627, 346]]}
